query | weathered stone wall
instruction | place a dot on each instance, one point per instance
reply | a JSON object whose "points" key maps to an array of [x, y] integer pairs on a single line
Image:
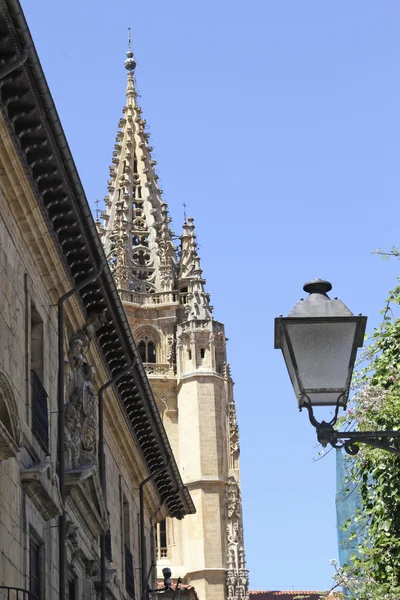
{"points": [[21, 285]]}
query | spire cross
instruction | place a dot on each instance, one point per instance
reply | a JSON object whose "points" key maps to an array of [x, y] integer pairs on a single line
{"points": [[129, 38], [184, 211]]}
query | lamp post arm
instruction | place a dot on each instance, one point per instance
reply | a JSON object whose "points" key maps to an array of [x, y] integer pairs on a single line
{"points": [[350, 440], [384, 440]]}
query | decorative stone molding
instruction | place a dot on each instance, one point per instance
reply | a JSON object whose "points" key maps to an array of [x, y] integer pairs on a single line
{"points": [[41, 486], [92, 567], [113, 585], [80, 410], [10, 426], [233, 499], [154, 369], [171, 351], [71, 534], [147, 333], [87, 499], [234, 445], [237, 580]]}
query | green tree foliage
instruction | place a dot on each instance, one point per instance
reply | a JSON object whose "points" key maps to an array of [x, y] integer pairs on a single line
{"points": [[374, 573]]}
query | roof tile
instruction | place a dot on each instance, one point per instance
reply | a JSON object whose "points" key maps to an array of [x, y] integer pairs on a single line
{"points": [[292, 595]]}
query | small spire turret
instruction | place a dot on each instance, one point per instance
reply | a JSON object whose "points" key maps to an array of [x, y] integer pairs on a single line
{"points": [[166, 251], [191, 274]]}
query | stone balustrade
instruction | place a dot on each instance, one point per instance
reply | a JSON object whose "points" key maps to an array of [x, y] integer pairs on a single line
{"points": [[157, 369], [149, 299]]}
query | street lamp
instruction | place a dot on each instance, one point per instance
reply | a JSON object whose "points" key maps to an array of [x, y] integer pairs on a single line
{"points": [[319, 341]]}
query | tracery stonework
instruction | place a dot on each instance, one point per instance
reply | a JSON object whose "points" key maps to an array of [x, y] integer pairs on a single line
{"points": [[80, 409]]}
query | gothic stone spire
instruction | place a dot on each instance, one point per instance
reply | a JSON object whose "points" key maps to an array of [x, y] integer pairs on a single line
{"points": [[135, 231]]}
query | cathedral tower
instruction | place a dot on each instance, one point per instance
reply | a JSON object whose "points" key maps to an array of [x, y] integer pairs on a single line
{"points": [[184, 352]]}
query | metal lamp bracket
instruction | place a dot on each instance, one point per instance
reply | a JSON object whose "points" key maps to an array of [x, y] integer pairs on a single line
{"points": [[351, 440]]}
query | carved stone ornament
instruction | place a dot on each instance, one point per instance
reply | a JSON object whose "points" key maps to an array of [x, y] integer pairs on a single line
{"points": [[10, 427], [41, 486], [237, 581], [233, 430], [80, 409], [233, 498], [171, 351]]}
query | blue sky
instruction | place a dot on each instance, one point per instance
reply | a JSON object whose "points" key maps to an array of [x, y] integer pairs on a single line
{"points": [[277, 123]]}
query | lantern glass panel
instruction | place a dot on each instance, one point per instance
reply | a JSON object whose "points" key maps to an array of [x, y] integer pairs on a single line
{"points": [[323, 358]]}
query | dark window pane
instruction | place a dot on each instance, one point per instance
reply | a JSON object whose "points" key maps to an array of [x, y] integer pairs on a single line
{"points": [[108, 546], [142, 350], [71, 589], [163, 534], [129, 573], [40, 415], [34, 567], [151, 352]]}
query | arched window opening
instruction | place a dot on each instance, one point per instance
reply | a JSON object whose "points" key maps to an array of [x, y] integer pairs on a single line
{"points": [[151, 353], [147, 350], [142, 350], [5, 415], [184, 292]]}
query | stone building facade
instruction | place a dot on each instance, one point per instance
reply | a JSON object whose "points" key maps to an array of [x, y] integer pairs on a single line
{"points": [[81, 438], [184, 351]]}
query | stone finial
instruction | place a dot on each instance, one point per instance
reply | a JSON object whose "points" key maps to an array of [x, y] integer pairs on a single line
{"points": [[130, 62]]}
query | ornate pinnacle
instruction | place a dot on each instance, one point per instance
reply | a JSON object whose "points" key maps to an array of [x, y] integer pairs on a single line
{"points": [[147, 262]]}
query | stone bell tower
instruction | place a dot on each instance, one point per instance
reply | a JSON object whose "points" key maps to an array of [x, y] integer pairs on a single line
{"points": [[184, 352]]}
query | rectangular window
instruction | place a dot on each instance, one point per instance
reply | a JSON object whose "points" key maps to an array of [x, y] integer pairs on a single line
{"points": [[37, 345], [128, 557], [183, 295], [108, 546], [161, 532], [129, 573], [72, 589], [126, 521], [40, 412], [39, 402], [34, 567]]}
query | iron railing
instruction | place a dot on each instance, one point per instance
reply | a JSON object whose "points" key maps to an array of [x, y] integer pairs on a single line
{"points": [[12, 593], [40, 413], [129, 573]]}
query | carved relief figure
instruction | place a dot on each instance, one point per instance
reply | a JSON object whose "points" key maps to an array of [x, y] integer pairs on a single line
{"points": [[171, 351], [80, 409]]}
